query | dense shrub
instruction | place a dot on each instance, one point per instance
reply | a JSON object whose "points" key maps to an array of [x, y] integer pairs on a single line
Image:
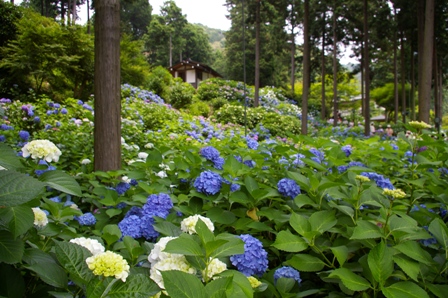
{"points": [[181, 94], [281, 125], [237, 114], [199, 108], [217, 103], [219, 88], [159, 81]]}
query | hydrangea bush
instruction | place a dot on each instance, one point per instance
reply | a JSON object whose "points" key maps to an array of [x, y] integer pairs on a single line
{"points": [[211, 209]]}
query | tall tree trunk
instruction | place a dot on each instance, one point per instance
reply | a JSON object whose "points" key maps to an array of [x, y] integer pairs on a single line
{"points": [[257, 54], [293, 52], [171, 51], [107, 131], [306, 67], [363, 81], [437, 90], [323, 102], [88, 17], [395, 72], [403, 78], [74, 13], [424, 94], [63, 12], [367, 71], [412, 84], [335, 69]]}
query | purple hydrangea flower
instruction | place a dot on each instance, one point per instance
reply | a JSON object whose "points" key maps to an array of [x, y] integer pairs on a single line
{"points": [[287, 272], [24, 135], [347, 149], [380, 180], [288, 188], [208, 183], [122, 187], [130, 226], [254, 260], [87, 219], [158, 205]]}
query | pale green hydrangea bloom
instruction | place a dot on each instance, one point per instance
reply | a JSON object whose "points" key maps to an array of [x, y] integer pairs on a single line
{"points": [[394, 193], [40, 218], [188, 225], [419, 124], [109, 263], [41, 149], [213, 268]]}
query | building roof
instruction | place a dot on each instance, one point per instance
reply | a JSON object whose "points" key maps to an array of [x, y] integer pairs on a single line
{"points": [[190, 64]]}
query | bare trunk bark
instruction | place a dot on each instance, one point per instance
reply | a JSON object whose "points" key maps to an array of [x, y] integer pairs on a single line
{"points": [[412, 84], [403, 81], [395, 73], [257, 54], [306, 68], [367, 71], [107, 131], [335, 69], [323, 102], [424, 94]]}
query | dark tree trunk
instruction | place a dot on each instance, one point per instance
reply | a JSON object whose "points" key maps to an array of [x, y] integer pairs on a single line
{"points": [[367, 72], [306, 67], [323, 102], [425, 80], [412, 84], [257, 54], [293, 52], [395, 74], [335, 69], [88, 17], [403, 81], [107, 131]]}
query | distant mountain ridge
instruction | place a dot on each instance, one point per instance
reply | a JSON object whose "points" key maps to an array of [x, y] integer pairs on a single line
{"points": [[215, 36]]}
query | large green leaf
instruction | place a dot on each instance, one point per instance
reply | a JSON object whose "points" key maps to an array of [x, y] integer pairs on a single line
{"points": [[217, 288], [11, 249], [219, 215], [404, 289], [251, 184], [17, 188], [18, 219], [12, 284], [111, 233], [183, 285], [366, 230], [45, 267], [380, 262], [413, 250], [9, 159], [136, 286], [240, 285], [61, 181], [300, 224], [350, 279], [289, 242], [184, 245], [322, 221], [305, 262], [341, 254], [402, 223], [233, 246], [438, 228], [438, 290], [73, 257], [411, 268]]}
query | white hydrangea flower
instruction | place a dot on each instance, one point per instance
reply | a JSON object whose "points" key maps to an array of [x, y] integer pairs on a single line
{"points": [[92, 245], [157, 254], [188, 225], [164, 166], [85, 161], [41, 149], [149, 146], [143, 155], [213, 268], [40, 217], [162, 174], [126, 179], [172, 263], [2, 168]]}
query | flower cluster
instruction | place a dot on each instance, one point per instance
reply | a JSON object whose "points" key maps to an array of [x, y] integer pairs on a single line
{"points": [[109, 263], [254, 260], [342, 169], [87, 219], [93, 245], [287, 272], [319, 155], [380, 180], [212, 154], [162, 261], [251, 143], [347, 149], [139, 222], [40, 217], [419, 125], [394, 193], [41, 149], [288, 188], [122, 187], [213, 268], [188, 225], [208, 183], [254, 283]]}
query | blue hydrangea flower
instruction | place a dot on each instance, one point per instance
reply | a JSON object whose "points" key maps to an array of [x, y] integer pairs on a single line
{"points": [[64, 111], [443, 171], [250, 163], [210, 153], [24, 135], [319, 156], [130, 226], [158, 205], [122, 187], [2, 138], [342, 169], [208, 183], [55, 199], [254, 260], [6, 127], [134, 182], [147, 228], [395, 147], [251, 143], [87, 219], [287, 272], [219, 163], [288, 188], [36, 119], [297, 160], [347, 149], [380, 180]]}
